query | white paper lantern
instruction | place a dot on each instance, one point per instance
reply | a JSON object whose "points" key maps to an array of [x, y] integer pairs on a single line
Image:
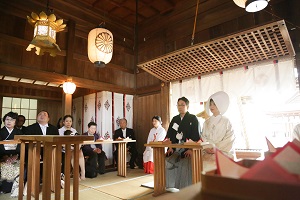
{"points": [[69, 87], [252, 5], [240, 3], [255, 5], [100, 46]]}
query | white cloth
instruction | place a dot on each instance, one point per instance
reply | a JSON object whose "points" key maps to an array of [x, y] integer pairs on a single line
{"points": [[221, 100], [155, 134], [218, 130], [9, 131], [63, 129], [124, 132], [61, 132], [44, 128], [93, 146], [296, 132]]}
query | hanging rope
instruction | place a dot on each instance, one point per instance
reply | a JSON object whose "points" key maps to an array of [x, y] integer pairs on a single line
{"points": [[195, 22]]}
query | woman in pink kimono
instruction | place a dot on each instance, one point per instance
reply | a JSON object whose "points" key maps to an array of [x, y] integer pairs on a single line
{"points": [[157, 133]]}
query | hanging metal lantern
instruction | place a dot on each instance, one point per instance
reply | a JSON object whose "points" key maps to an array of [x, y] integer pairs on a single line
{"points": [[44, 35], [100, 46]]}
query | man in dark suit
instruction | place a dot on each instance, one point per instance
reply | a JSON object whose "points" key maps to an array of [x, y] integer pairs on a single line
{"points": [[94, 151], [41, 127], [125, 132], [20, 122]]}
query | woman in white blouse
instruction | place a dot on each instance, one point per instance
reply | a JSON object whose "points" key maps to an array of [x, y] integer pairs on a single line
{"points": [[157, 133], [67, 128]]}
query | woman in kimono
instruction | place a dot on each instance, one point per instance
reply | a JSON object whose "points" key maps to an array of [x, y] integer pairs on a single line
{"points": [[217, 129], [157, 133], [184, 126], [7, 133], [9, 152], [67, 127]]}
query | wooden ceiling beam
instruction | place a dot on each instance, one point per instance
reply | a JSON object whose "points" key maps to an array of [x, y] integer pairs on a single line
{"points": [[92, 15], [25, 72], [83, 14], [29, 85], [25, 43], [27, 90]]}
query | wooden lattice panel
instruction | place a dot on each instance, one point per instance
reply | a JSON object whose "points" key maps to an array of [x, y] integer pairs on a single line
{"points": [[262, 43]]}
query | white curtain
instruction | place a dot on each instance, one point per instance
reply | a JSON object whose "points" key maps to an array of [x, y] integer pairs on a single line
{"points": [[98, 107], [254, 92], [104, 121], [129, 110], [89, 111], [210, 84], [118, 109], [77, 114]]}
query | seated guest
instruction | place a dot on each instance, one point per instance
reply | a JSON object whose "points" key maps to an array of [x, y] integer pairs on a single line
{"points": [[94, 151], [20, 122], [157, 133], [125, 132], [41, 127], [68, 130], [9, 152], [60, 123], [217, 129], [184, 126], [7, 133]]}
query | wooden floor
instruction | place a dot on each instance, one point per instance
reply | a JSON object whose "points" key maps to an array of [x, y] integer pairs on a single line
{"points": [[112, 187]]}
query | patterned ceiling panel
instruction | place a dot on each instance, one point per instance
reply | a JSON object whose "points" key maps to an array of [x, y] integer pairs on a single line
{"points": [[261, 43]]}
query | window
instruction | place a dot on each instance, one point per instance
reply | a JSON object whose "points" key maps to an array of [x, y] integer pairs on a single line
{"points": [[26, 107]]}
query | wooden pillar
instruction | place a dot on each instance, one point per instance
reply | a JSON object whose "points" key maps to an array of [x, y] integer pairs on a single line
{"points": [[67, 104], [165, 104], [67, 98]]}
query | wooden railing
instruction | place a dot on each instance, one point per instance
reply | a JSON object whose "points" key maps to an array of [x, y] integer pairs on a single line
{"points": [[52, 163], [52, 151], [159, 164]]}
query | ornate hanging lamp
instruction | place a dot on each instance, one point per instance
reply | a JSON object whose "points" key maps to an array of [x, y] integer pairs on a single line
{"points": [[100, 46], [44, 35]]}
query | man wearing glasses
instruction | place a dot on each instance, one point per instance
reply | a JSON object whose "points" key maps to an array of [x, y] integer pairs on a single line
{"points": [[183, 127]]}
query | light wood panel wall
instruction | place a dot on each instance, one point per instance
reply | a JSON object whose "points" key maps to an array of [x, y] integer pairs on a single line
{"points": [[145, 107]]}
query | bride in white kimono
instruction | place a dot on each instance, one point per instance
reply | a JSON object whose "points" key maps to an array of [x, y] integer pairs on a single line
{"points": [[157, 133], [217, 129]]}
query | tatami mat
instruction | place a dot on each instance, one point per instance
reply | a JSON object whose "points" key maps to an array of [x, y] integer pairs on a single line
{"points": [[111, 187]]}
